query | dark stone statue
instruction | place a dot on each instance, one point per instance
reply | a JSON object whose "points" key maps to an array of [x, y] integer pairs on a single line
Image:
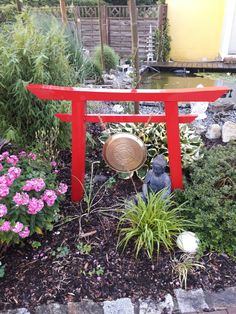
{"points": [[157, 179]]}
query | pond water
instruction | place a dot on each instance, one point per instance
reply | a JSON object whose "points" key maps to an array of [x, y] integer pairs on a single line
{"points": [[170, 80]]}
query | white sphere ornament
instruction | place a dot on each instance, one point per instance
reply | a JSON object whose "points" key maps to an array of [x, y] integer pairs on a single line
{"points": [[188, 242]]}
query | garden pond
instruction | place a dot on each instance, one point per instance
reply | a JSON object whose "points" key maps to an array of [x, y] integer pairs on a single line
{"points": [[171, 80]]}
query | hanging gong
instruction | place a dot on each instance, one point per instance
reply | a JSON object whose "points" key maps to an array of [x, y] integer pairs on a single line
{"points": [[124, 152]]}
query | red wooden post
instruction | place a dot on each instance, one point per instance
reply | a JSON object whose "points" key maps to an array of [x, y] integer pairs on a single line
{"points": [[173, 141], [78, 149]]}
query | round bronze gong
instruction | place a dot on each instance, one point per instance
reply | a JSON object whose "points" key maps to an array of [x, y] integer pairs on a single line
{"points": [[124, 152]]}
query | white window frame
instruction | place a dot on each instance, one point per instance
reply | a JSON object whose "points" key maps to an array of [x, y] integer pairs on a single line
{"points": [[230, 11]]}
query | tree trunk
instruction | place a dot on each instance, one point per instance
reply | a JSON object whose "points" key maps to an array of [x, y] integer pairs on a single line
{"points": [[19, 5], [63, 12], [135, 56], [101, 35]]}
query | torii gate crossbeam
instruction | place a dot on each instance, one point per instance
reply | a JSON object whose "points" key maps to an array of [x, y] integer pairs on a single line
{"points": [[79, 118]]}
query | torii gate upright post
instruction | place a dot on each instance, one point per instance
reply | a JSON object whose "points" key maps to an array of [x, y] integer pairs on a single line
{"points": [[79, 118]]}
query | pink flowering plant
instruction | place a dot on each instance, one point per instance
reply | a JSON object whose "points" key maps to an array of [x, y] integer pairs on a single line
{"points": [[29, 196]]}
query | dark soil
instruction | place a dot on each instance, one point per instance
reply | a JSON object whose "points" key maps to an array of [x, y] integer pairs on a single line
{"points": [[41, 276]]}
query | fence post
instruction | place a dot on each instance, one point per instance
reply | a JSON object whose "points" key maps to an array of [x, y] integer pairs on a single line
{"points": [[104, 24], [162, 16], [78, 149]]}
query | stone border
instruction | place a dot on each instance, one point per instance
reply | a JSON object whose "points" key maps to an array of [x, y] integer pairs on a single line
{"points": [[192, 301]]}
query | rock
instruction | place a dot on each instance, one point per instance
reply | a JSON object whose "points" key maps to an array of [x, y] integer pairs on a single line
{"points": [[199, 108], [99, 178], [219, 107], [119, 306], [191, 301], [218, 300], [85, 307], [213, 132], [228, 131], [151, 307], [198, 127], [16, 311], [53, 308], [118, 108], [3, 142]]}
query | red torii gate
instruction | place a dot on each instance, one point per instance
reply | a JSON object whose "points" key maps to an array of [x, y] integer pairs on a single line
{"points": [[79, 118]]}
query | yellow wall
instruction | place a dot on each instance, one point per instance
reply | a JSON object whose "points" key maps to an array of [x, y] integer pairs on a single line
{"points": [[195, 29]]}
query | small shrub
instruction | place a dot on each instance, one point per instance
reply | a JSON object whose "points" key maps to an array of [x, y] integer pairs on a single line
{"points": [[111, 58], [29, 196], [152, 224], [155, 139], [61, 251], [28, 54], [92, 71], [211, 197]]}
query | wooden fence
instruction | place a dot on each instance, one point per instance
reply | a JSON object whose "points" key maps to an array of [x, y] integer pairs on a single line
{"points": [[116, 26]]}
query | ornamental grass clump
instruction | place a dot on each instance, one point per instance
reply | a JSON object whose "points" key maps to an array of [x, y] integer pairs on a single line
{"points": [[152, 224], [110, 58], [29, 196]]}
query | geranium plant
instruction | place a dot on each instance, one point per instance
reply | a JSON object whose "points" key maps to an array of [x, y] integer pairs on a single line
{"points": [[29, 196]]}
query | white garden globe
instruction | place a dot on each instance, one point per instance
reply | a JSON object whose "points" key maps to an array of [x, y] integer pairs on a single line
{"points": [[188, 242]]}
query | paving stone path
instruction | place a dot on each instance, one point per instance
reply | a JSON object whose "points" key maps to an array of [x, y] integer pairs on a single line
{"points": [[183, 302]]}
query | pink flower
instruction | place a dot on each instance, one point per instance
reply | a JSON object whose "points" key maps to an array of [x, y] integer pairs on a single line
{"points": [[33, 156], [25, 233], [13, 173], [39, 184], [3, 210], [53, 163], [22, 154], [56, 171], [1, 158], [21, 198], [5, 154], [49, 197], [4, 190], [62, 189], [3, 180], [18, 227], [1, 167], [13, 159], [6, 226], [34, 206], [34, 184], [28, 186]]}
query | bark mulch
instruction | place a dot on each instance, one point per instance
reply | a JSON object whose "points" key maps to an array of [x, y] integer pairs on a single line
{"points": [[61, 270]]}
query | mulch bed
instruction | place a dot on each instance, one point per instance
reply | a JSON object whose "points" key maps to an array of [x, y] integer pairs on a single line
{"points": [[35, 276]]}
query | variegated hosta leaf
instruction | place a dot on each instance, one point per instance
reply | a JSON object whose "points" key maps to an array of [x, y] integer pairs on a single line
{"points": [[125, 175], [154, 137]]}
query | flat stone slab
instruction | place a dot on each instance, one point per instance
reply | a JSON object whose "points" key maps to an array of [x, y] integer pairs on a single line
{"points": [[120, 306], [191, 301], [85, 307], [151, 307], [53, 308], [222, 299], [16, 311]]}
